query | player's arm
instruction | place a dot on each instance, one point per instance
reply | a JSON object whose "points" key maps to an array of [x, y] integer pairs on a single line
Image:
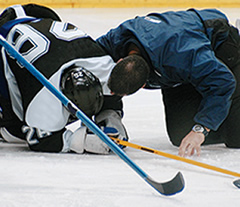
{"points": [[79, 141]]}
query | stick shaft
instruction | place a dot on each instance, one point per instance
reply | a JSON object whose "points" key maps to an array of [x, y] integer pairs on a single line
{"points": [[175, 157], [172, 187], [70, 106]]}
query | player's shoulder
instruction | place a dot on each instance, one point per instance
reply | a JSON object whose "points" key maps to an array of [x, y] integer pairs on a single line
{"points": [[29, 10]]}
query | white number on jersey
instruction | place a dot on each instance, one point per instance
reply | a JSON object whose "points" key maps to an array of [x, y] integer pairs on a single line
{"points": [[30, 132], [61, 31], [32, 44], [28, 41]]}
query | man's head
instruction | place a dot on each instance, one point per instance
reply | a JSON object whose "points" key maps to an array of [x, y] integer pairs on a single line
{"points": [[129, 75], [83, 89]]}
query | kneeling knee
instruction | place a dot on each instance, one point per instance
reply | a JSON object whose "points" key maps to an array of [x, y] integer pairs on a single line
{"points": [[233, 145]]}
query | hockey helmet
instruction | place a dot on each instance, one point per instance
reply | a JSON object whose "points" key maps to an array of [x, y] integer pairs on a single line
{"points": [[83, 89]]}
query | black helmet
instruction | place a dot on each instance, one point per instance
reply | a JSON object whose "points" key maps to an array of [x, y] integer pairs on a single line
{"points": [[83, 89]]}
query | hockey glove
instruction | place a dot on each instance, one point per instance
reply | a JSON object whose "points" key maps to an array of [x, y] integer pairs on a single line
{"points": [[111, 121], [112, 132]]}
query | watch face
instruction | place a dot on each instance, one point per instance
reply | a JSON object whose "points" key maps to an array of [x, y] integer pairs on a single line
{"points": [[198, 128]]}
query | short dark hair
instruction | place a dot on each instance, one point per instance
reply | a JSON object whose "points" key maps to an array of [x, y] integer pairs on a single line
{"points": [[129, 75]]}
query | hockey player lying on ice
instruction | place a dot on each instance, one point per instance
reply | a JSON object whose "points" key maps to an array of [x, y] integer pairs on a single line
{"points": [[72, 61]]}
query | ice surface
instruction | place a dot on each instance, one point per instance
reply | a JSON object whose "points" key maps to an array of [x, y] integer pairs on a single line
{"points": [[30, 179]]}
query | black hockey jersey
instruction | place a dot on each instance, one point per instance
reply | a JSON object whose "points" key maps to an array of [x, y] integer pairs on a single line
{"points": [[51, 46]]}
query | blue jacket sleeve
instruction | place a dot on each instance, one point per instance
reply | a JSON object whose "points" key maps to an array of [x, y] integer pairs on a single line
{"points": [[196, 63], [216, 84]]}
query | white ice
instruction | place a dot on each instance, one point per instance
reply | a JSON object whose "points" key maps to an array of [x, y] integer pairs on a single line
{"points": [[29, 179]]}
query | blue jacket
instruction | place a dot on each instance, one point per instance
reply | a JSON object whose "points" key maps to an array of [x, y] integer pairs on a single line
{"points": [[179, 47]]}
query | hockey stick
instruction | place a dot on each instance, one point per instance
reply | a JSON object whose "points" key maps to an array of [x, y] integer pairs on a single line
{"points": [[171, 187], [175, 157]]}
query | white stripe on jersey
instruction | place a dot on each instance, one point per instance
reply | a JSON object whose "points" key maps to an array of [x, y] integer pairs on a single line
{"points": [[19, 11]]}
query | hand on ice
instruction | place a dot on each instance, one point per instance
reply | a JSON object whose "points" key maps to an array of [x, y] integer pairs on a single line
{"points": [[191, 143]]}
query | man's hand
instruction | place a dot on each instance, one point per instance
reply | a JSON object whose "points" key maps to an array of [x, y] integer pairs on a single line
{"points": [[191, 143]]}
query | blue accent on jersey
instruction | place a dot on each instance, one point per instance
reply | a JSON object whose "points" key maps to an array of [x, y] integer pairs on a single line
{"points": [[8, 25]]}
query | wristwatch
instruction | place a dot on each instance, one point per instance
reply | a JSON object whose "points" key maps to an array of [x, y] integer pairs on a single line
{"points": [[200, 129]]}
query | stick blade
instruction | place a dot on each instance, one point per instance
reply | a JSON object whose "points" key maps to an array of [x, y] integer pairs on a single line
{"points": [[176, 185], [237, 183]]}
